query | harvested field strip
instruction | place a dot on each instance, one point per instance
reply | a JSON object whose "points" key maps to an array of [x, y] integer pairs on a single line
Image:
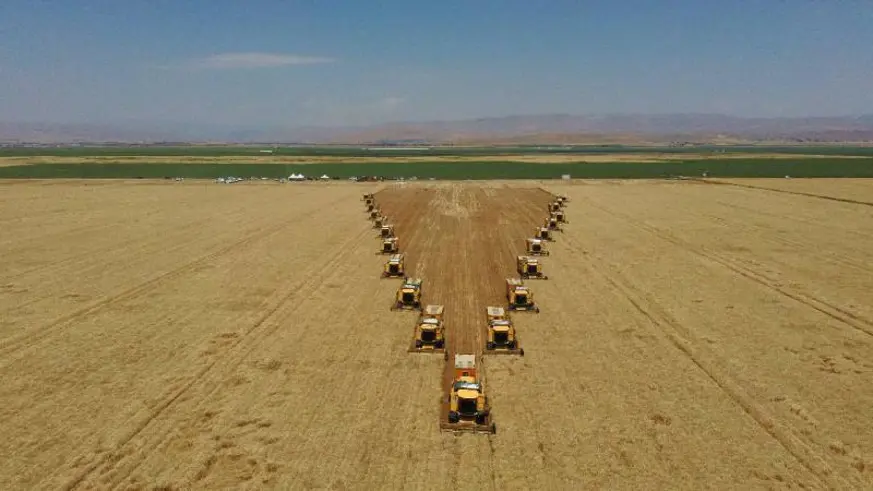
{"points": [[480, 232]]}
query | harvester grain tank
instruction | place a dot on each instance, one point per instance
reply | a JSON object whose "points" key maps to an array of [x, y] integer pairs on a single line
{"points": [[395, 267], [408, 295], [536, 247], [519, 297], [530, 267], [430, 330]]}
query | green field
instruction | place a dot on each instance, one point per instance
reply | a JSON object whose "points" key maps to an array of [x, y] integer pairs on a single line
{"points": [[737, 167], [359, 151]]}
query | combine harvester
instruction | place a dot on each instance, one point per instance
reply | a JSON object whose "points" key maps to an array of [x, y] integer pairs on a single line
{"points": [[386, 231], [430, 331], [395, 267], [502, 338], [408, 295], [543, 233], [551, 223], [554, 206], [559, 216], [536, 247], [379, 221], [530, 268], [519, 297], [374, 214], [468, 407], [390, 245], [368, 196]]}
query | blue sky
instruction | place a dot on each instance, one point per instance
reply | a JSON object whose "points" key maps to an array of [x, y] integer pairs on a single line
{"points": [[331, 62]]}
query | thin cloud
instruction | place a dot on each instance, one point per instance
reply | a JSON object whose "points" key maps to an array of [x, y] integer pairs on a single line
{"points": [[231, 61]]}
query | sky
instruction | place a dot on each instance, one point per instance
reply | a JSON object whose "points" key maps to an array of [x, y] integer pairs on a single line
{"points": [[260, 63]]}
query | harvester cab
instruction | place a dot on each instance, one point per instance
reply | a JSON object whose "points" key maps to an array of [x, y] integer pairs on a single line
{"points": [[395, 267], [429, 330], [519, 296], [408, 295], [543, 233], [536, 247], [390, 245], [386, 231], [530, 267], [467, 401]]}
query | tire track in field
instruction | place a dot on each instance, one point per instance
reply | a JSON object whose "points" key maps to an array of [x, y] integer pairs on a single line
{"points": [[61, 263], [216, 371], [686, 342], [34, 337], [850, 319], [784, 191]]}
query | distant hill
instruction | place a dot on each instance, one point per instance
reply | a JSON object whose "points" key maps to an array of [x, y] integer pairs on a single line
{"points": [[552, 128]]}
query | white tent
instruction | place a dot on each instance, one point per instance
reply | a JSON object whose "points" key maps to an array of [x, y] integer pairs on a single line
{"points": [[296, 177], [325, 177]]}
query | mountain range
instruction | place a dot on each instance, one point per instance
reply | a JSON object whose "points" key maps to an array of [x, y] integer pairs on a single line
{"points": [[548, 128]]}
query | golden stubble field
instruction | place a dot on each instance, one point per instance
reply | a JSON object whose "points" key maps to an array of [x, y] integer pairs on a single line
{"points": [[199, 336]]}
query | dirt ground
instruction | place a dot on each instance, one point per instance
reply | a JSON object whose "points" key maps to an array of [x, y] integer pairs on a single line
{"points": [[463, 242], [191, 335], [318, 159]]}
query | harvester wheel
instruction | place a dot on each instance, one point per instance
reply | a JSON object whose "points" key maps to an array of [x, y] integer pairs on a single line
{"points": [[493, 428], [446, 355], [521, 352], [481, 419], [489, 345], [453, 417]]}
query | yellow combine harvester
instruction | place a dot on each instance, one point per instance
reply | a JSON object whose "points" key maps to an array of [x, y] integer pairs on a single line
{"points": [[374, 214], [543, 233], [395, 267], [536, 247], [386, 231], [530, 267], [408, 295], [519, 296], [501, 333], [379, 221], [560, 216], [469, 408], [551, 223], [390, 245], [429, 330]]}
